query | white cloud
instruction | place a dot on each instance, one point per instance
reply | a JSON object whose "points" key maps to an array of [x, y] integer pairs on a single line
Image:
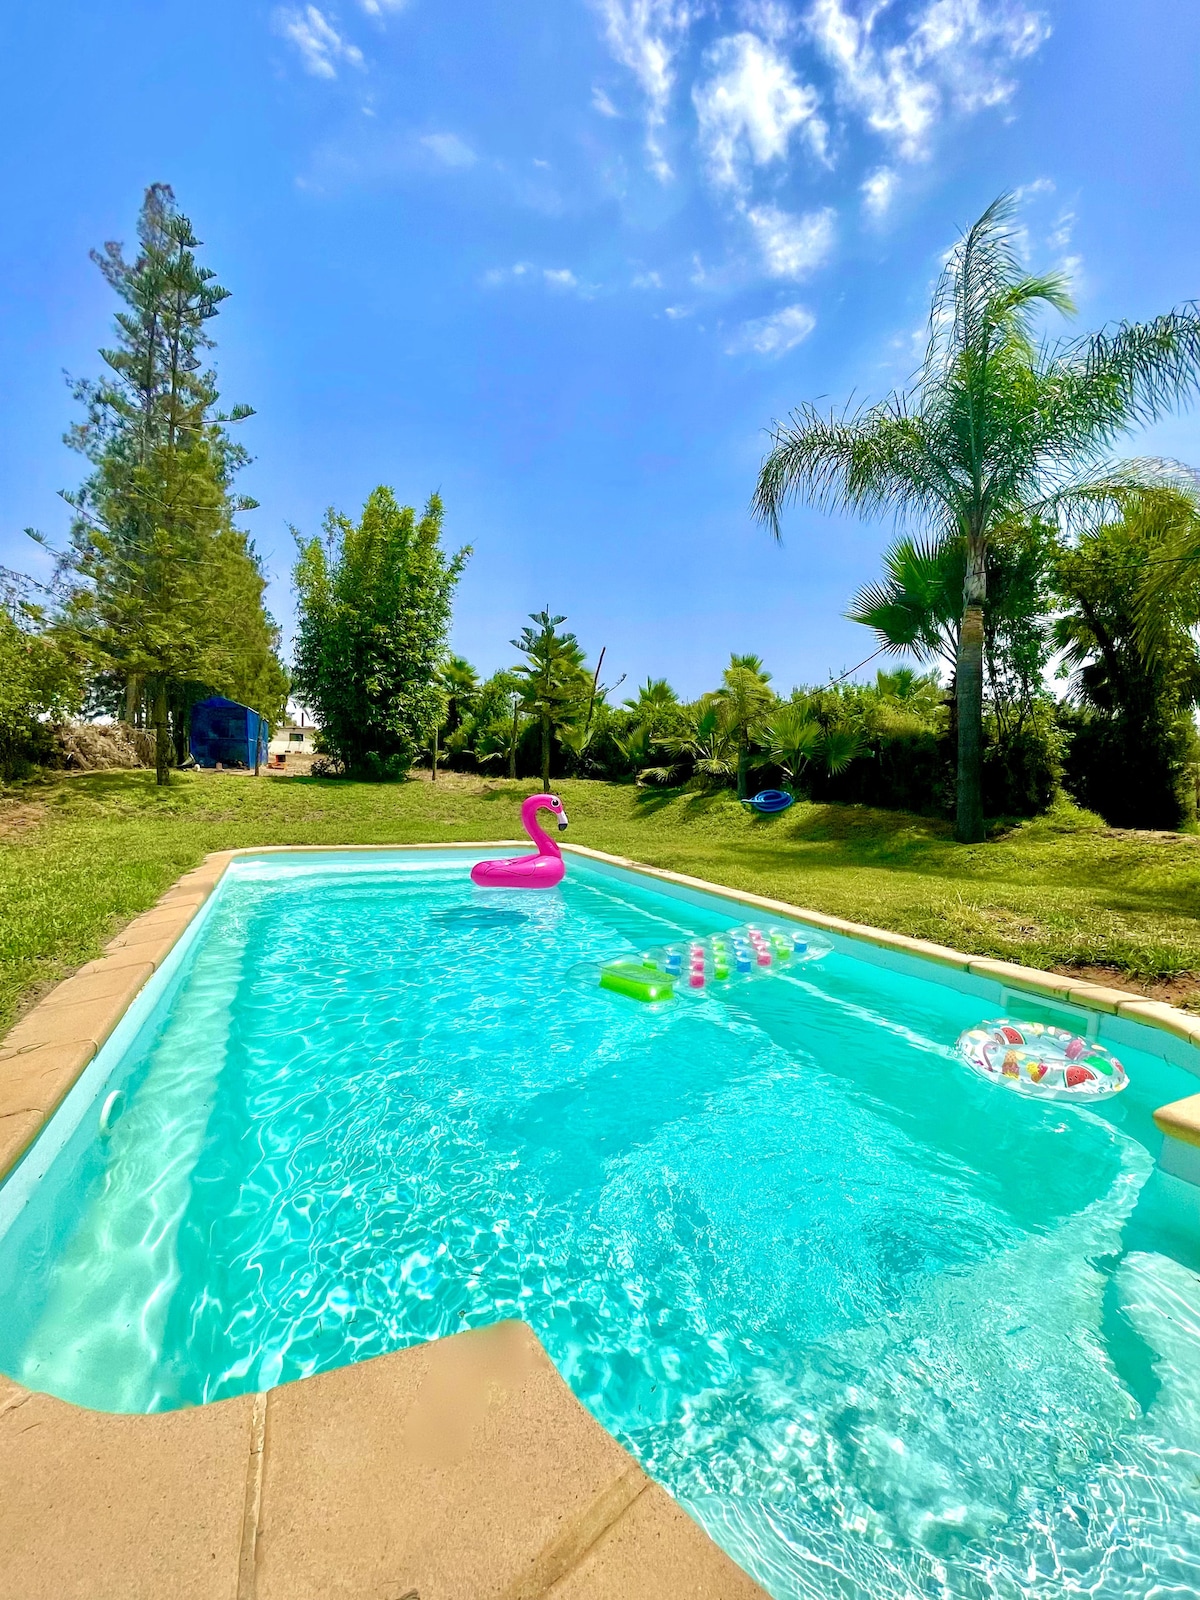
{"points": [[643, 35], [676, 313], [647, 280], [956, 53], [1031, 191], [878, 192], [449, 149], [773, 336], [750, 106], [380, 8], [792, 246], [498, 275], [1064, 227], [1072, 267], [560, 279], [320, 45], [602, 104], [771, 18]]}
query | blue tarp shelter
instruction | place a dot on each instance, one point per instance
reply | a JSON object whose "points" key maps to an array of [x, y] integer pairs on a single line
{"points": [[229, 733]]}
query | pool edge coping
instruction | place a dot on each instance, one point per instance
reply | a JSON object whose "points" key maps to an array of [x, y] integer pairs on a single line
{"points": [[47, 1050]]}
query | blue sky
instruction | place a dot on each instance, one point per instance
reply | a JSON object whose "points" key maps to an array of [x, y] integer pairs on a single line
{"points": [[564, 260]]}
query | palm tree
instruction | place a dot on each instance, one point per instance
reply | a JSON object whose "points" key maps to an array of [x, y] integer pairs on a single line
{"points": [[708, 745], [461, 684], [458, 684], [916, 608], [655, 701], [795, 739], [798, 739], [752, 664], [919, 691], [1138, 691], [995, 429], [553, 682], [744, 703]]}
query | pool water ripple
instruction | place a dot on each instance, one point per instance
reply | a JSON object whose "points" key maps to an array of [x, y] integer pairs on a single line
{"points": [[873, 1323]]}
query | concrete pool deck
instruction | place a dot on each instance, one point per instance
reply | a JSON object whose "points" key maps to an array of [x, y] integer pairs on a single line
{"points": [[448, 1471]]}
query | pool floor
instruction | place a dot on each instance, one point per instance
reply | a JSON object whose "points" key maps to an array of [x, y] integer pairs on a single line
{"points": [[884, 1329]]}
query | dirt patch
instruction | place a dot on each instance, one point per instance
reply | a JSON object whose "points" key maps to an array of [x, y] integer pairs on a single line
{"points": [[101, 747], [1181, 989], [18, 817]]}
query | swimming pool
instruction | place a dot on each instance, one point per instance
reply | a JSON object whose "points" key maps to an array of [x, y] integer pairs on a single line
{"points": [[882, 1328]]}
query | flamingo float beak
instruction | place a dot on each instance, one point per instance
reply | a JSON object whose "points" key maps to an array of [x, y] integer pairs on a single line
{"points": [[562, 820]]}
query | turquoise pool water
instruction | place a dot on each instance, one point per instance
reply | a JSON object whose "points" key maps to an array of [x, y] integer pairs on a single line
{"points": [[884, 1329]]}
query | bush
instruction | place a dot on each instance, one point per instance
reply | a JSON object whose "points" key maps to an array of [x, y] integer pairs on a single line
{"points": [[1132, 781], [1022, 770], [39, 683]]}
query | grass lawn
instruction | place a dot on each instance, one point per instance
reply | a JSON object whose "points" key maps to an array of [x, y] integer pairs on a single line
{"points": [[81, 855]]}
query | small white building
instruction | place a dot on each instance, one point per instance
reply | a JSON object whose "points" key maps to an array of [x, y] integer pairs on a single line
{"points": [[295, 736]]}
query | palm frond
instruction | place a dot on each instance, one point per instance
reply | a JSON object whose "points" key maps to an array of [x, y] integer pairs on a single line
{"points": [[915, 610], [839, 747], [871, 460]]}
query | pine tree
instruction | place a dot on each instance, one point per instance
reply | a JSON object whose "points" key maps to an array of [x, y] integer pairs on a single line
{"points": [[553, 682], [164, 590], [375, 602]]}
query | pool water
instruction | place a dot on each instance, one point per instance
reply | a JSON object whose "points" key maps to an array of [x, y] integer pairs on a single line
{"points": [[885, 1329]]}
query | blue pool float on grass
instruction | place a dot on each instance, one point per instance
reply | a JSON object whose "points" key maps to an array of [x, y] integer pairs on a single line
{"points": [[769, 801]]}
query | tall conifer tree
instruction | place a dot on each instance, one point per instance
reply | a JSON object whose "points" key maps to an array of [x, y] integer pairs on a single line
{"points": [[164, 590]]}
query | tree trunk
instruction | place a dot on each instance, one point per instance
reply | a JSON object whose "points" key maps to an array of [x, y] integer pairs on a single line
{"points": [[433, 758], [743, 760], [133, 693], [969, 700], [180, 723], [545, 754], [162, 739], [512, 744]]}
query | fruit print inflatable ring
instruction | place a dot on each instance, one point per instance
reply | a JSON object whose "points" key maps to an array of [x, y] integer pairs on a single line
{"points": [[1042, 1062]]}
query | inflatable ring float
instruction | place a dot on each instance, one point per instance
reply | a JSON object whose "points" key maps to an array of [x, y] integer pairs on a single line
{"points": [[1043, 1062]]}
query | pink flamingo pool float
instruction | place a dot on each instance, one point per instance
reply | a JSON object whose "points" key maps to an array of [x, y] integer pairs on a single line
{"points": [[541, 871]]}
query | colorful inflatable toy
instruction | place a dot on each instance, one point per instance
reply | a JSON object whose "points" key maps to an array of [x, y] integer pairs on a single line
{"points": [[1043, 1062], [540, 871], [715, 961]]}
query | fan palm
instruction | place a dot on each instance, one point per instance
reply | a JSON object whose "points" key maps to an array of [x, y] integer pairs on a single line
{"points": [[920, 691], [460, 682], [795, 739], [654, 698], [457, 684], [706, 747], [744, 703], [994, 429], [798, 739], [916, 608]]}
